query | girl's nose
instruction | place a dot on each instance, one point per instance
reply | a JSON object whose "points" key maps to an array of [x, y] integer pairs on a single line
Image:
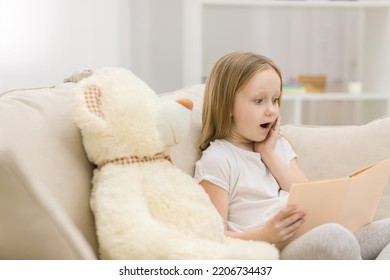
{"points": [[271, 110], [269, 113]]}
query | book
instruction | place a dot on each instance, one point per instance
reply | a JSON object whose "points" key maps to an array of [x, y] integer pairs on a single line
{"points": [[350, 201]]}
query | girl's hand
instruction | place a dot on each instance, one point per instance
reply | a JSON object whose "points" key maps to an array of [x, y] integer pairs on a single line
{"points": [[268, 145], [284, 224]]}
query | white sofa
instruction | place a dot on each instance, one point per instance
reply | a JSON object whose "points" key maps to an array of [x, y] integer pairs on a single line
{"points": [[45, 175]]}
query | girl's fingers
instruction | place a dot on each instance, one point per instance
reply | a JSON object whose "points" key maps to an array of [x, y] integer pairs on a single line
{"points": [[286, 211], [289, 230], [289, 216], [276, 125]]}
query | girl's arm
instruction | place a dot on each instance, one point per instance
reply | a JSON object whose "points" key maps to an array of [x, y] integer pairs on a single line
{"points": [[278, 229], [285, 174]]}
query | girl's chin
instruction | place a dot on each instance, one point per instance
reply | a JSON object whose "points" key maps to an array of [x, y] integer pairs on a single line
{"points": [[259, 139]]}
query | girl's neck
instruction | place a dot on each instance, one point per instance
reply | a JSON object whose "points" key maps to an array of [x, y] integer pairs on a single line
{"points": [[241, 143]]}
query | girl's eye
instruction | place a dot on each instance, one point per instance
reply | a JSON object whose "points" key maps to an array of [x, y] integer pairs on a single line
{"points": [[276, 100], [258, 101]]}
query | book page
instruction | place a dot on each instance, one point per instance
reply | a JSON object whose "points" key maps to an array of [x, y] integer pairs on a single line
{"points": [[322, 201], [350, 201], [366, 190]]}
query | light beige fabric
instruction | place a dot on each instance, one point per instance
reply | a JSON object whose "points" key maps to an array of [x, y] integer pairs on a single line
{"points": [[78, 76], [44, 179], [184, 155]]}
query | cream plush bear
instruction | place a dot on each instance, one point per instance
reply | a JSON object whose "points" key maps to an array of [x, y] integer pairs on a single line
{"points": [[145, 207]]}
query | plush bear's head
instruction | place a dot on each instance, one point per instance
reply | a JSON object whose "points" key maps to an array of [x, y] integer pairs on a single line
{"points": [[120, 116]]}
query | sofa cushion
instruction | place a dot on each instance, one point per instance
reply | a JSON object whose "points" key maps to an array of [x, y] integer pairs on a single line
{"points": [[44, 179], [324, 152]]}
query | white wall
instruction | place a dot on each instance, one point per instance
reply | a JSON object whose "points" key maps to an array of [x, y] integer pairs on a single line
{"points": [[157, 43], [43, 41]]}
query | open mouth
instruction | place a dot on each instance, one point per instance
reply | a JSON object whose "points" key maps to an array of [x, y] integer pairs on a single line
{"points": [[265, 125]]}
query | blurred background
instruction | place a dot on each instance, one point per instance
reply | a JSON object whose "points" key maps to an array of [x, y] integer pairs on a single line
{"points": [[171, 44]]}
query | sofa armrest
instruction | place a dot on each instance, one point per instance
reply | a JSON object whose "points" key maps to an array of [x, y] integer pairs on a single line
{"points": [[45, 178]]}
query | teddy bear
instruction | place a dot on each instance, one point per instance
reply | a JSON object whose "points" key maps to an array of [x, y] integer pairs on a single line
{"points": [[144, 206]]}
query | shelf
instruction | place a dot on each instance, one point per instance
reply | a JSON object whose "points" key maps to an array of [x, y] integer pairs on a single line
{"points": [[308, 4], [373, 45], [335, 96], [334, 108], [362, 55]]}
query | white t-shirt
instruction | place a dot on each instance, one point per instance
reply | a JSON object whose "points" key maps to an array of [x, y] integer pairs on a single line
{"points": [[254, 194]]}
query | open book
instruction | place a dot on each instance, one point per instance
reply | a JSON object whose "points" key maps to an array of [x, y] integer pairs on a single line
{"points": [[351, 201]]}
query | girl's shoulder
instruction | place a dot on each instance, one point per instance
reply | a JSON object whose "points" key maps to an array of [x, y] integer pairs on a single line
{"points": [[283, 141], [216, 159], [284, 148], [219, 151], [218, 145]]}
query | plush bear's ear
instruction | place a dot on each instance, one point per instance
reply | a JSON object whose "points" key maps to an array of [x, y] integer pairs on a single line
{"points": [[92, 98], [87, 109]]}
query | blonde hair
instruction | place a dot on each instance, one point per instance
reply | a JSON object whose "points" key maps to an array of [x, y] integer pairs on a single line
{"points": [[228, 75]]}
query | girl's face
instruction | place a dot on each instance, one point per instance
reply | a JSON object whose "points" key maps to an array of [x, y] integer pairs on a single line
{"points": [[255, 109]]}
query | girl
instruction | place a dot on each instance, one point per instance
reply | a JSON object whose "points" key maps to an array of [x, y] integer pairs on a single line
{"points": [[246, 168]]}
